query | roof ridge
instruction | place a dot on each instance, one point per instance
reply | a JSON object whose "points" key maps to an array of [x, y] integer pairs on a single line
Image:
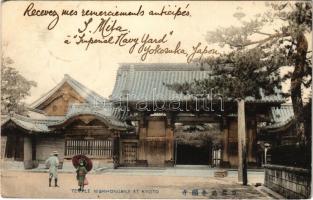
{"points": [[29, 119], [85, 88], [42, 97], [163, 67]]}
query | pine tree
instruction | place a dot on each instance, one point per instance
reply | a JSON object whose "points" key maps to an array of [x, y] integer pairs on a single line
{"points": [[285, 45], [249, 66], [252, 63]]}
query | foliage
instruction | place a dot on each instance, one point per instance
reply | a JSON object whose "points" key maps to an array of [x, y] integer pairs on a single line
{"points": [[206, 136], [255, 51], [293, 19], [239, 74], [14, 88]]}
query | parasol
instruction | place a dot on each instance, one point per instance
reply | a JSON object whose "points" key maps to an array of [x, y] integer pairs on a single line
{"points": [[87, 161]]}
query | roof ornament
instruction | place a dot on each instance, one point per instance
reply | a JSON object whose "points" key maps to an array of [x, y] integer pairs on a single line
{"points": [[66, 76]]}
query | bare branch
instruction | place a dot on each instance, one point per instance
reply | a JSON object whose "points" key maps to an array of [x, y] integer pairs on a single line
{"points": [[260, 42]]}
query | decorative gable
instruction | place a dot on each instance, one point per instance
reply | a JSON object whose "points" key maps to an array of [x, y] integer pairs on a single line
{"points": [[67, 92], [59, 102]]}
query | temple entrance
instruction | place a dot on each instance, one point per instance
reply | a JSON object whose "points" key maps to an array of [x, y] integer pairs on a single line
{"points": [[193, 155], [194, 142]]}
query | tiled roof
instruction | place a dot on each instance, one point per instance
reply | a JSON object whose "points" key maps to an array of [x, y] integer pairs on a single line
{"points": [[30, 124], [111, 115], [89, 95], [147, 82], [4, 119], [281, 116]]}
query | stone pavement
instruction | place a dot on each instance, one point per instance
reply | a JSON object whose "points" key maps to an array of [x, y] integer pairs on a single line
{"points": [[179, 182]]}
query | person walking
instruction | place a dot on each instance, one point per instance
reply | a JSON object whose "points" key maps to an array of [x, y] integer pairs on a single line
{"points": [[83, 165], [53, 162], [81, 172]]}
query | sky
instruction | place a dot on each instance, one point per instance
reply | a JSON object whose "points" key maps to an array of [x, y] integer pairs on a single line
{"points": [[42, 56]]}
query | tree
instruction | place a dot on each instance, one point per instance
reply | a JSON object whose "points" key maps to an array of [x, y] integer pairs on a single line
{"points": [[287, 44], [250, 66], [14, 88]]}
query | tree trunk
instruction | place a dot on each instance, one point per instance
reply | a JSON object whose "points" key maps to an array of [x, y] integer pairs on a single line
{"points": [[242, 150], [296, 82]]}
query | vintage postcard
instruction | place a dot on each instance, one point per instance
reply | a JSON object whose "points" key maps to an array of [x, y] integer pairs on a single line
{"points": [[156, 99]]}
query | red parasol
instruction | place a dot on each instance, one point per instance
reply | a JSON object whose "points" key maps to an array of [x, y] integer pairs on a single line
{"points": [[87, 161]]}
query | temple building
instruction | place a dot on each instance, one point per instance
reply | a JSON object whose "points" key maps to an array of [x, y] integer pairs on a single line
{"points": [[71, 119], [143, 122]]}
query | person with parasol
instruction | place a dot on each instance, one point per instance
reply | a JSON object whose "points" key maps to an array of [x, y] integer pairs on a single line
{"points": [[82, 164]]}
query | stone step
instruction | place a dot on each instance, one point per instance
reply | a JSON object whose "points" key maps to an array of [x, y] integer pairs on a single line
{"points": [[220, 173], [193, 166]]}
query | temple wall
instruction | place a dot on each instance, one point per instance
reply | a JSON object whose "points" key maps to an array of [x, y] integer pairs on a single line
{"points": [[46, 145], [291, 182], [154, 146]]}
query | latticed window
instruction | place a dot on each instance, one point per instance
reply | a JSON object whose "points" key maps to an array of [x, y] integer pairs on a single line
{"points": [[92, 148]]}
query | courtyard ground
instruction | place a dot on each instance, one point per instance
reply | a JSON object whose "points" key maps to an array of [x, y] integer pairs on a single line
{"points": [[179, 182]]}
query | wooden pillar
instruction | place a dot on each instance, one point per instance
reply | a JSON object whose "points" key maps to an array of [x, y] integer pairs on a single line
{"points": [[28, 152], [242, 152], [116, 149], [169, 154], [142, 138], [225, 139]]}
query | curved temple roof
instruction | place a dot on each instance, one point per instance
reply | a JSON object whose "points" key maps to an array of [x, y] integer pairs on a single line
{"points": [[113, 117], [281, 117], [27, 123]]}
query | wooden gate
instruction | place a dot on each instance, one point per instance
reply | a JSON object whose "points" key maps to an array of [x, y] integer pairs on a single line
{"points": [[129, 153]]}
